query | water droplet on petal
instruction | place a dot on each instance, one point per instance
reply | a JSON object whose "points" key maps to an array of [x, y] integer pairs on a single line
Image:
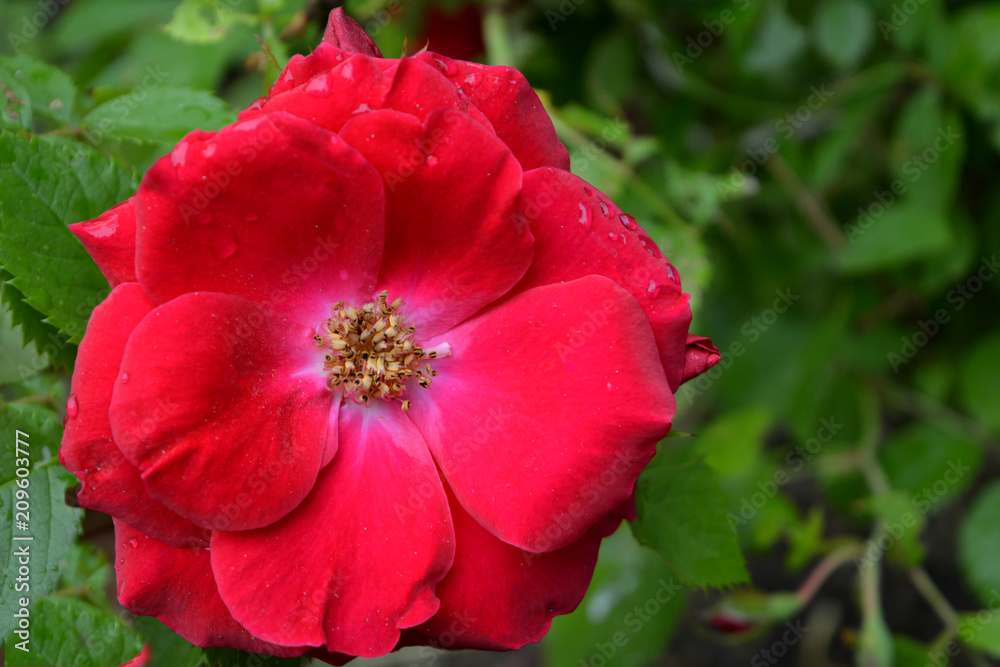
{"points": [[133, 543], [124, 378], [72, 407], [431, 160], [226, 248], [474, 79], [604, 209], [613, 236], [209, 150], [449, 68], [179, 155], [627, 221], [587, 191], [584, 218], [319, 86], [653, 290]]}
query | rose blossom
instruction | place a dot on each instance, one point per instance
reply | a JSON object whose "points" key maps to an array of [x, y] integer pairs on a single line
{"points": [[376, 368]]}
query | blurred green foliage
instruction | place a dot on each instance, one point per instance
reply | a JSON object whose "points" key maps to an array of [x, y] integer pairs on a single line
{"points": [[821, 173]]}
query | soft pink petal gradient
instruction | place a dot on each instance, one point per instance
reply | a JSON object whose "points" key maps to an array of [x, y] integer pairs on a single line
{"points": [[547, 410]]}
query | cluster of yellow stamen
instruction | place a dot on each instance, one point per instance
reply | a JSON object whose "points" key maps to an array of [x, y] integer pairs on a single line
{"points": [[370, 351]]}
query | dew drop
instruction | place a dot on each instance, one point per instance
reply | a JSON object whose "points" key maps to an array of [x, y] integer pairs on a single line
{"points": [[318, 87], [209, 150], [179, 155], [133, 543], [226, 248], [584, 218], [431, 160], [124, 378], [604, 209], [449, 68], [653, 290], [72, 407], [613, 236], [474, 79], [627, 221]]}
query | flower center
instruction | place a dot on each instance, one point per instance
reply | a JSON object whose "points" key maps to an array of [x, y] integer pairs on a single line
{"points": [[370, 351]]}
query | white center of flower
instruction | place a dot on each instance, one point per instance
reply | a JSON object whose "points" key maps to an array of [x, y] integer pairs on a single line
{"points": [[370, 353]]}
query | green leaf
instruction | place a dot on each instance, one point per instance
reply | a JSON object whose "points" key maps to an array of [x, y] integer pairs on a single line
{"points": [[204, 21], [844, 31], [44, 186], [911, 653], [682, 514], [68, 631], [931, 463], [86, 569], [230, 657], [979, 383], [157, 113], [778, 43], [52, 346], [167, 648], [981, 630], [805, 540], [15, 104], [20, 361], [629, 613], [884, 236], [732, 443], [903, 524], [50, 92], [979, 544], [51, 524]]}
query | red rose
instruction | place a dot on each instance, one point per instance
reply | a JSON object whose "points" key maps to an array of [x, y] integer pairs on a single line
{"points": [[374, 361]]}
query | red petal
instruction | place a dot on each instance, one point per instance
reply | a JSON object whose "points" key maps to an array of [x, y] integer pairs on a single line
{"points": [[579, 231], [354, 563], [274, 209], [177, 587], [499, 597], [344, 33], [700, 355], [240, 434], [505, 97], [455, 238], [358, 84], [110, 240], [301, 68], [110, 483], [547, 411]]}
